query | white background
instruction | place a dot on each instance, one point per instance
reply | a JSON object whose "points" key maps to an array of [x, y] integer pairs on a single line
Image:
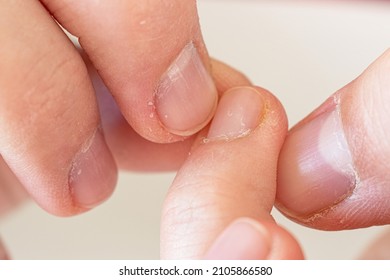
{"points": [[302, 51]]}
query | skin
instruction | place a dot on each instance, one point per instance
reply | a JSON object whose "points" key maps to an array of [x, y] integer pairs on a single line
{"points": [[49, 104], [364, 116], [47, 92]]}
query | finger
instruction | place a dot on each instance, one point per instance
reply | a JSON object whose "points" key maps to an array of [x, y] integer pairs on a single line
{"points": [[333, 171], [3, 252], [132, 151], [229, 175], [151, 56], [379, 249], [12, 192], [50, 136], [248, 239]]}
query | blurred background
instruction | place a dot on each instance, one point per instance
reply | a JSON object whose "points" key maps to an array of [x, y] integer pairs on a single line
{"points": [[302, 51]]}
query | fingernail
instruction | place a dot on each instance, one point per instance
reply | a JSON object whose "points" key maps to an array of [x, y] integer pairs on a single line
{"points": [[238, 113], [316, 170], [93, 175], [186, 97], [244, 239]]}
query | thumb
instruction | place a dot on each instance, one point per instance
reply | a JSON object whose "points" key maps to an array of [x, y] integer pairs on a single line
{"points": [[334, 167], [230, 175]]}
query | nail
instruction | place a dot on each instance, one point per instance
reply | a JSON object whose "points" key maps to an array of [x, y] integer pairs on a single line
{"points": [[186, 97], [244, 239], [93, 175], [316, 170], [238, 113]]}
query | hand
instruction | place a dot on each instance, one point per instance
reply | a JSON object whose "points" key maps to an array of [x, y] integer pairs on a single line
{"points": [[222, 179], [52, 138], [332, 175], [246, 117], [151, 56], [209, 185]]}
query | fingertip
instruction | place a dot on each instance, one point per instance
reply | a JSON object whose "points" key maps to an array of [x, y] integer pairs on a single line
{"points": [[315, 167], [333, 167], [250, 239], [157, 70], [246, 109], [239, 112], [186, 97], [47, 112], [243, 239], [276, 117], [284, 246], [89, 180]]}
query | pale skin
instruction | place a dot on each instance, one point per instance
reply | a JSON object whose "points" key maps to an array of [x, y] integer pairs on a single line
{"points": [[64, 151]]}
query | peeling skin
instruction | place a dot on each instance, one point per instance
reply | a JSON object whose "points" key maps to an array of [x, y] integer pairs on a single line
{"points": [[227, 138], [74, 169], [349, 170], [87, 144], [352, 168]]}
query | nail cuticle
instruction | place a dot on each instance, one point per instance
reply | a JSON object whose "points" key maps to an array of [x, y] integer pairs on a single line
{"points": [[310, 218]]}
